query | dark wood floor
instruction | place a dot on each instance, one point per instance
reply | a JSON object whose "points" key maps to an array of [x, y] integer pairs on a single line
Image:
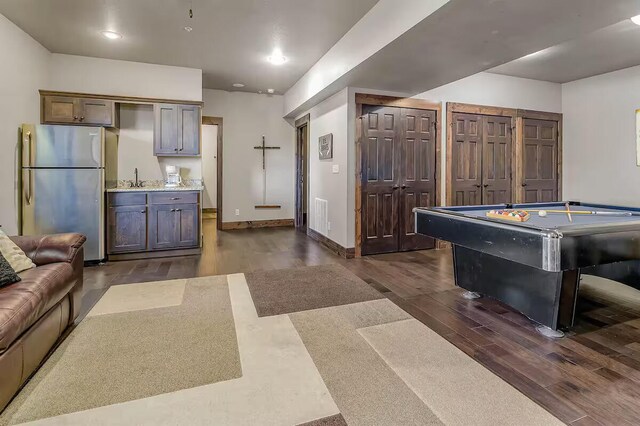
{"points": [[590, 377]]}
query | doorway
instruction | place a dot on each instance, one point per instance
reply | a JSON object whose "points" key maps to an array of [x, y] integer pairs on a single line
{"points": [[302, 173], [398, 152], [214, 122]]}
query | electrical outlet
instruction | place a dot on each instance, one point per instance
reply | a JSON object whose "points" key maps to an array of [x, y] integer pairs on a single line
{"points": [[328, 226], [237, 212]]}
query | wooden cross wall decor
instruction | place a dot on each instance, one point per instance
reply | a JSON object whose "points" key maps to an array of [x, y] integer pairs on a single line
{"points": [[264, 147], [264, 204]]}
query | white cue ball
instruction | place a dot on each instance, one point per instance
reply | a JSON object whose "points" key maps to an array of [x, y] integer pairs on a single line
{"points": [[542, 213]]}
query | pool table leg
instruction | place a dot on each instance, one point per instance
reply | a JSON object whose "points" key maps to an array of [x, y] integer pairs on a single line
{"points": [[549, 332], [470, 295]]}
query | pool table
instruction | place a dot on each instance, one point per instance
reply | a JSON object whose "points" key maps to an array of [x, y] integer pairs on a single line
{"points": [[535, 266]]}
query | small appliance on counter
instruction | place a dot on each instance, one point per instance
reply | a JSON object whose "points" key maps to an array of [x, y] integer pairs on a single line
{"points": [[173, 176]]}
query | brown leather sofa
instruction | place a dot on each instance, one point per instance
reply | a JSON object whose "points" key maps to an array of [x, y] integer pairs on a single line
{"points": [[37, 311]]}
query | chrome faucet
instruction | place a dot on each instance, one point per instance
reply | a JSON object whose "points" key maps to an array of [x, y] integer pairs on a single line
{"points": [[137, 183]]}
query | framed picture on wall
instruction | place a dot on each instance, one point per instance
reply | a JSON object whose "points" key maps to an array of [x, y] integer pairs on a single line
{"points": [[325, 147], [638, 137]]}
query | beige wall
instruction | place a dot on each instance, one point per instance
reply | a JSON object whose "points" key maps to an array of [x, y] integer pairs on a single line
{"points": [[71, 73], [599, 138], [135, 148], [23, 72], [246, 117]]}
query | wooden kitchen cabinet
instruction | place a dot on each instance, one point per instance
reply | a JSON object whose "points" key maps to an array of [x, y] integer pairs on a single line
{"points": [[78, 111], [149, 223], [176, 130], [127, 229]]}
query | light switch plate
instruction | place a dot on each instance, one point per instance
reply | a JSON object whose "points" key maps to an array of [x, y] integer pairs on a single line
{"points": [[335, 168]]}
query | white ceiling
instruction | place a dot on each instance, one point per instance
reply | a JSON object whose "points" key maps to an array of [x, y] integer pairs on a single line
{"points": [[608, 49], [465, 37], [229, 42]]}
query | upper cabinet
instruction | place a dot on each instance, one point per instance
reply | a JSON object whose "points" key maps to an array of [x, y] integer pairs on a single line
{"points": [[78, 111], [176, 130]]}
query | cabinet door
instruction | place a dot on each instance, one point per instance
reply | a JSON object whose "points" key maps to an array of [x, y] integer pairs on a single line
{"points": [[59, 109], [188, 225], [127, 229], [165, 129], [162, 227], [98, 112], [188, 130]]}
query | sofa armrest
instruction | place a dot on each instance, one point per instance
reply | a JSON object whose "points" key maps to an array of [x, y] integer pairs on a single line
{"points": [[46, 249]]}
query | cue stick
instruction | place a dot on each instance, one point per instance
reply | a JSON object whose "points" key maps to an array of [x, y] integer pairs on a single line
{"points": [[568, 212], [590, 212]]}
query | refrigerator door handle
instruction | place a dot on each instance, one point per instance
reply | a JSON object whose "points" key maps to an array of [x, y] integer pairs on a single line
{"points": [[29, 186]]}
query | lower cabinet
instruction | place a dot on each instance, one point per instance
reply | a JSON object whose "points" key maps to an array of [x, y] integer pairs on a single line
{"points": [[166, 221], [172, 226], [127, 229]]}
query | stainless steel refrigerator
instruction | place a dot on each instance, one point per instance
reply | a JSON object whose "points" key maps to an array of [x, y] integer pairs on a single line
{"points": [[62, 183]]}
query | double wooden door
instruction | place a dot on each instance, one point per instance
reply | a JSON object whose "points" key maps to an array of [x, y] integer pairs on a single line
{"points": [[398, 155], [481, 154]]}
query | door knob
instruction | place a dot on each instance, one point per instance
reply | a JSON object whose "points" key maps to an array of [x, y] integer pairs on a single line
{"points": [[394, 187], [404, 186], [524, 184], [485, 185], [478, 186]]}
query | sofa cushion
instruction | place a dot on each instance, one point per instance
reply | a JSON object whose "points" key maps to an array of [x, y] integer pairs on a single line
{"points": [[7, 273], [14, 255], [23, 303]]}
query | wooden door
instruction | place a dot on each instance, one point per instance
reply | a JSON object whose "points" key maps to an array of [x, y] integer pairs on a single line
{"points": [[417, 174], [540, 161], [162, 226], [466, 159], [60, 110], [98, 112], [188, 130], [127, 229], [496, 160], [165, 130], [380, 184], [188, 221]]}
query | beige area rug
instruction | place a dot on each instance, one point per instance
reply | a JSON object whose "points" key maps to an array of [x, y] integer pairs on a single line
{"points": [[196, 352], [140, 340], [284, 291]]}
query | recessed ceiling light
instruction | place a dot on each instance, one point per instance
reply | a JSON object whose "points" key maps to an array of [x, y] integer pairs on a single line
{"points": [[238, 85], [636, 19], [111, 35], [188, 29], [270, 90], [276, 57]]}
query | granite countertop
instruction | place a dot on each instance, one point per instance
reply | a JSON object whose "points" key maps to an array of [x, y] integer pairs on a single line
{"points": [[155, 186]]}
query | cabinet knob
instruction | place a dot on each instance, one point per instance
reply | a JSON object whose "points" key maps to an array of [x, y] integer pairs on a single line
{"points": [[173, 210], [143, 211], [81, 117], [75, 117], [178, 210], [485, 185], [175, 198], [176, 149]]}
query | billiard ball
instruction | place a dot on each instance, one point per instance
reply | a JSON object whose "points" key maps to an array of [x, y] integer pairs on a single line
{"points": [[542, 213]]}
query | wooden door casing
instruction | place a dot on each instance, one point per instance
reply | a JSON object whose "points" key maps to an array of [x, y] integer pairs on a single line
{"points": [[540, 160], [497, 149], [418, 174], [380, 183], [466, 164]]}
